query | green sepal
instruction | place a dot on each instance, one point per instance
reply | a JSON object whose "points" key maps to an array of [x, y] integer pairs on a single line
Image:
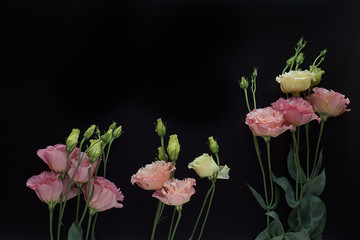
{"points": [[276, 229], [300, 235], [285, 184], [292, 168], [316, 185], [318, 165], [258, 197], [313, 216], [75, 233]]}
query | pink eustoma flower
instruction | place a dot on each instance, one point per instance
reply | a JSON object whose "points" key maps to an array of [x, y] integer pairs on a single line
{"points": [[267, 122], [82, 174], [327, 102], [153, 176], [296, 110], [105, 194], [48, 186], [55, 157], [176, 192]]}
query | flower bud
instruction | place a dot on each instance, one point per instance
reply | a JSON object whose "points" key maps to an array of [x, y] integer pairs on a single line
{"points": [[89, 132], [107, 136], [255, 73], [244, 84], [95, 150], [290, 60], [214, 147], [72, 140], [162, 154], [117, 132], [318, 72], [173, 148], [204, 165], [112, 126], [160, 128], [300, 58]]}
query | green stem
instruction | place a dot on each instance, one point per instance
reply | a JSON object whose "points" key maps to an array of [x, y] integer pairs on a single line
{"points": [[88, 198], [107, 157], [307, 150], [318, 144], [77, 205], [93, 226], [156, 219], [51, 216], [262, 168], [177, 222], [268, 225], [202, 209], [208, 209], [267, 140], [172, 223], [298, 175], [247, 100], [88, 226]]}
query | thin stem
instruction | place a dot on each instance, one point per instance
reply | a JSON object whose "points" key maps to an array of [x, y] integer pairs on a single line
{"points": [[318, 144], [107, 157], [93, 226], [77, 205], [307, 150], [172, 223], [88, 198], [268, 224], [262, 168], [298, 175], [247, 100], [208, 209], [202, 209], [51, 214], [267, 140], [176, 224], [156, 219], [88, 226]]}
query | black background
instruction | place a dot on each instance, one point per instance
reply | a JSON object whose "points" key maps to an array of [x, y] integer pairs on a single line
{"points": [[70, 64]]}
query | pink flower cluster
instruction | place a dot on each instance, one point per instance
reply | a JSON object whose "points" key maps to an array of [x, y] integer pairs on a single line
{"points": [[157, 176], [51, 186], [285, 114]]}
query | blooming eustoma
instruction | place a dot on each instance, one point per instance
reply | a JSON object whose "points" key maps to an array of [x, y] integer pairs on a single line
{"points": [[295, 110], [153, 176], [267, 122]]}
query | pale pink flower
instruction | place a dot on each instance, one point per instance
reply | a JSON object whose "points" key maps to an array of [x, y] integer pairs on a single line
{"points": [[82, 174], [153, 176], [48, 186], [105, 194], [55, 157], [328, 102], [176, 192], [267, 122], [296, 110]]}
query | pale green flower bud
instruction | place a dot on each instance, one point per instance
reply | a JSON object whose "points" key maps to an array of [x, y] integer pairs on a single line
{"points": [[214, 147], [95, 150], [118, 132], [89, 132], [290, 60], [255, 73], [244, 84], [72, 140], [300, 58], [160, 128], [112, 126], [162, 154], [318, 72], [173, 148], [107, 136]]}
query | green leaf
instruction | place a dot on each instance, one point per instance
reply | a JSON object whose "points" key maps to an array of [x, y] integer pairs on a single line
{"points": [[292, 167], [318, 165], [258, 197], [300, 235], [75, 233], [276, 229], [284, 183], [316, 185]]}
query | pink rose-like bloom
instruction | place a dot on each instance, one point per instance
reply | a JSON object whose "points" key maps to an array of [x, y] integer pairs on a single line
{"points": [[267, 122], [48, 186], [82, 174], [153, 176], [105, 195], [176, 192], [55, 157], [296, 110], [328, 102]]}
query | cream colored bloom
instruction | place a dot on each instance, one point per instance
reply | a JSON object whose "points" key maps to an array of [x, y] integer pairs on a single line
{"points": [[204, 165], [296, 81], [223, 172]]}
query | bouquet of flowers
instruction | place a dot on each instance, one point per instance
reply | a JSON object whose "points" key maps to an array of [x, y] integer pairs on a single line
{"points": [[307, 102], [75, 171]]}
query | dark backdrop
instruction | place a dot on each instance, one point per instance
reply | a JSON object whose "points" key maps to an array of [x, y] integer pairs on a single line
{"points": [[70, 64]]}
